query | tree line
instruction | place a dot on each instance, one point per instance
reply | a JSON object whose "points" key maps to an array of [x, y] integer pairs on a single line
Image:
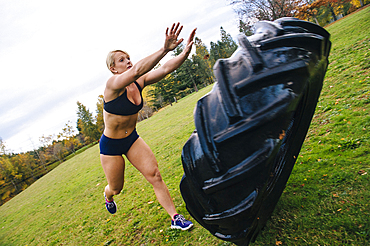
{"points": [[18, 171]]}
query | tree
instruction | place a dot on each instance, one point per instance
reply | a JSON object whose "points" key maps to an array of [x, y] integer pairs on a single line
{"points": [[222, 49], [309, 11], [164, 91], [59, 151], [39, 155], [252, 10], [46, 141], [67, 136], [186, 74], [155, 92], [194, 73], [321, 11], [229, 44], [3, 150], [26, 160], [359, 3], [7, 170], [47, 147], [85, 123], [174, 85], [202, 65], [245, 27], [145, 112], [99, 114]]}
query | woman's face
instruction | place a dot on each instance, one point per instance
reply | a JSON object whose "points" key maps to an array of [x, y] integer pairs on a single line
{"points": [[122, 63]]}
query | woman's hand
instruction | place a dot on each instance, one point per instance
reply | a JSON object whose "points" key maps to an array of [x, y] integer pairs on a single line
{"points": [[171, 37], [171, 65], [190, 43]]}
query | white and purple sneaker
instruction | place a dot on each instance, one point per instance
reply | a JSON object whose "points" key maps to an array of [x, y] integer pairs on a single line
{"points": [[110, 205], [179, 222]]}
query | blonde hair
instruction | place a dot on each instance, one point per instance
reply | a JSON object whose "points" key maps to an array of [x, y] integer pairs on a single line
{"points": [[110, 58]]}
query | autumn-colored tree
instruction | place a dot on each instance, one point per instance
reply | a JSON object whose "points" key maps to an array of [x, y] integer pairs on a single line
{"points": [[7, 175], [8, 172], [323, 9], [86, 124], [202, 63], [18, 171], [38, 154], [41, 155], [99, 114], [362, 2], [145, 112], [148, 108], [28, 163], [308, 11], [67, 136], [59, 151], [46, 142], [156, 92], [159, 92]]}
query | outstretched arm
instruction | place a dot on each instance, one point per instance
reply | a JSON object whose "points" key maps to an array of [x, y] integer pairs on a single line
{"points": [[170, 66], [145, 65]]}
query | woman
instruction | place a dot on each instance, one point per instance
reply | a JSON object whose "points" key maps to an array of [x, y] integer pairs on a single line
{"points": [[122, 102]]}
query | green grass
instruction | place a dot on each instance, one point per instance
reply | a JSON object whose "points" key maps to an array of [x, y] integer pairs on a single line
{"points": [[326, 201]]}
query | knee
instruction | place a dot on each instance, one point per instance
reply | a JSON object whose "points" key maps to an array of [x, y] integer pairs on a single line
{"points": [[155, 177]]}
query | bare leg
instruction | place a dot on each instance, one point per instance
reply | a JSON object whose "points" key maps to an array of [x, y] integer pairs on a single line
{"points": [[143, 159], [114, 169]]}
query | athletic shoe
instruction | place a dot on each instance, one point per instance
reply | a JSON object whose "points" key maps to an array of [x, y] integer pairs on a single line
{"points": [[110, 205], [180, 222]]}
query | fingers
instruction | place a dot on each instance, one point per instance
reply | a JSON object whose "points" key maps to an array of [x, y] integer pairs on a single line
{"points": [[192, 34], [175, 29], [173, 25], [178, 33], [172, 35], [179, 42]]}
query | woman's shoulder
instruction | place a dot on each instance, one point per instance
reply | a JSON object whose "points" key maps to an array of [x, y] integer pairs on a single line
{"points": [[110, 92], [141, 81], [111, 83]]}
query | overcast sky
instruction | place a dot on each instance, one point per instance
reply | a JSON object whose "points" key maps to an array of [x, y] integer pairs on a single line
{"points": [[52, 54]]}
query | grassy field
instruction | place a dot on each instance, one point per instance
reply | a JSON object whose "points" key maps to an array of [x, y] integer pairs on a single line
{"points": [[326, 201]]}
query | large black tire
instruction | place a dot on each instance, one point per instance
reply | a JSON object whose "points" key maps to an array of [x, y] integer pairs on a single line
{"points": [[251, 126]]}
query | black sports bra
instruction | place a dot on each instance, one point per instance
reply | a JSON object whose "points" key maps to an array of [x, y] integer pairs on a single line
{"points": [[122, 106]]}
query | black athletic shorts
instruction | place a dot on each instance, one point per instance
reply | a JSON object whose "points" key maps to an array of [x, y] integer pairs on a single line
{"points": [[112, 146]]}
